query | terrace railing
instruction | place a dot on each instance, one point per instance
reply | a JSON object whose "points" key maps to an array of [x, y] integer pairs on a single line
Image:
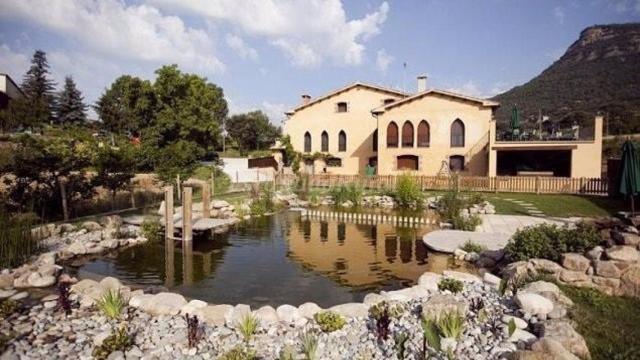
{"points": [[522, 184]]}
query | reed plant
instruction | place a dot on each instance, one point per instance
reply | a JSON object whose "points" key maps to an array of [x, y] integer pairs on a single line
{"points": [[309, 344], [18, 242], [248, 326], [111, 304]]}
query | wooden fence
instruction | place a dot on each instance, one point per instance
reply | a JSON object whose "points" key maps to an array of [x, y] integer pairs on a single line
{"points": [[522, 184]]}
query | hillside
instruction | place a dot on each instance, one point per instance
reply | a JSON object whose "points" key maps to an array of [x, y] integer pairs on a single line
{"points": [[600, 72]]}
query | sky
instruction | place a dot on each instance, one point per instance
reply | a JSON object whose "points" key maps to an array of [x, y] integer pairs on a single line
{"points": [[266, 53]]}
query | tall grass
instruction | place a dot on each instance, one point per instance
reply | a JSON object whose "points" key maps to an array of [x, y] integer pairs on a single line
{"points": [[343, 193], [408, 193], [17, 241]]}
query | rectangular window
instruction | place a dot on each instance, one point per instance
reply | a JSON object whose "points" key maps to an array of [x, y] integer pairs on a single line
{"points": [[341, 107], [334, 162]]}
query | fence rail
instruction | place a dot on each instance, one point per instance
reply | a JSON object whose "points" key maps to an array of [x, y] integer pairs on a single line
{"points": [[524, 184]]}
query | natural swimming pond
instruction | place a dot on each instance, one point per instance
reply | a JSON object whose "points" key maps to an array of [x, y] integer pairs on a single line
{"points": [[280, 259]]}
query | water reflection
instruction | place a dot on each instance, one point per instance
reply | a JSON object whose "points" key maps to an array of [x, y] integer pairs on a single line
{"points": [[280, 259]]}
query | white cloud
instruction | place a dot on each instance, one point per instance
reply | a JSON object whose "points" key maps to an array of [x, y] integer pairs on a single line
{"points": [[383, 60], [240, 47], [558, 13], [275, 112], [111, 27], [13, 63], [472, 89], [308, 32]]}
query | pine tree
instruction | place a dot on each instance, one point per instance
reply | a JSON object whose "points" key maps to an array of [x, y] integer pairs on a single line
{"points": [[38, 90], [70, 108]]}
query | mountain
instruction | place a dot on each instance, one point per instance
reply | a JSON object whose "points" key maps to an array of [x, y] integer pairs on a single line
{"points": [[600, 72]]}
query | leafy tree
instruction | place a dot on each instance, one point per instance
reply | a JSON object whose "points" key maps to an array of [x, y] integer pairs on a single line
{"points": [[70, 108], [128, 105], [38, 91], [179, 158], [47, 174], [114, 167], [252, 131]]}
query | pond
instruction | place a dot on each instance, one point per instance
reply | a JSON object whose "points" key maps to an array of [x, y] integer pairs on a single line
{"points": [[280, 259]]}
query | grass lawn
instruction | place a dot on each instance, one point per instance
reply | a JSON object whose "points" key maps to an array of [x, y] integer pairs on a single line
{"points": [[557, 205], [609, 324]]}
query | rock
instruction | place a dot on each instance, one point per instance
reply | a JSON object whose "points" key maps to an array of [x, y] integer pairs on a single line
{"points": [[77, 248], [573, 276], [448, 345], [533, 304], [545, 265], [538, 287], [219, 204], [627, 238], [164, 303], [459, 254], [464, 277], [520, 324], [373, 298], [630, 281], [267, 316], [552, 347], [91, 226], [100, 337], [429, 280], [111, 221], [623, 253], [575, 262], [7, 293], [351, 310], [308, 310], [239, 312], [406, 294], [607, 269], [19, 296], [609, 286], [491, 279], [515, 270], [522, 335], [529, 355], [214, 315], [441, 303], [110, 283], [192, 307], [595, 253], [565, 334], [288, 313], [38, 280], [83, 285], [495, 255], [6, 281]]}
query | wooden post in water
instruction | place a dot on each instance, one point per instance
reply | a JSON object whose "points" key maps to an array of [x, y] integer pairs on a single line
{"points": [[187, 200], [206, 201], [213, 182], [168, 212], [179, 186]]}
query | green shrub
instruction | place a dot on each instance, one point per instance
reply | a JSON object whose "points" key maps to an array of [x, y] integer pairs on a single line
{"points": [[119, 340], [248, 326], [221, 181], [472, 246], [8, 307], [547, 241], [262, 199], [408, 193], [466, 223], [111, 304], [329, 321], [151, 229], [239, 353], [450, 205], [451, 324], [17, 241], [351, 192], [453, 285], [430, 333]]}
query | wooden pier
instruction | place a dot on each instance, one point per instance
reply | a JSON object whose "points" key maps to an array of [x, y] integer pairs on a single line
{"points": [[369, 219]]}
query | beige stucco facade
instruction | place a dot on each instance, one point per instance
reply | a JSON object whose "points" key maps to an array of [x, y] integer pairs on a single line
{"points": [[368, 110]]}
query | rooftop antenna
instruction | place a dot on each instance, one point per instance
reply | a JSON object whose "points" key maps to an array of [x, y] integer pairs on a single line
{"points": [[404, 76]]}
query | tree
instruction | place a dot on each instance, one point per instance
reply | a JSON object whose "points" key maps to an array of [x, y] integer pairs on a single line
{"points": [[38, 91], [252, 131], [114, 167], [70, 108], [128, 105]]}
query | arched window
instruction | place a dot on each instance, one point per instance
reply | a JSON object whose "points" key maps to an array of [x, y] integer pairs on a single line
{"points": [[375, 140], [342, 141], [423, 134], [392, 135], [324, 141], [307, 142], [407, 134], [457, 134]]}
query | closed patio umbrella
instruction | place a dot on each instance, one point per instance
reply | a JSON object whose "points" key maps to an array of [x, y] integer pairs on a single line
{"points": [[515, 121], [629, 172]]}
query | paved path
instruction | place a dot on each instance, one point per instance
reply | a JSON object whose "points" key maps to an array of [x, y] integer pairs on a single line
{"points": [[530, 208], [494, 233]]}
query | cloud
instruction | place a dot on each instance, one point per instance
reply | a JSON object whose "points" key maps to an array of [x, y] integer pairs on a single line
{"points": [[13, 63], [240, 47], [111, 27], [275, 112], [558, 13], [472, 89], [622, 6], [308, 32], [383, 60]]}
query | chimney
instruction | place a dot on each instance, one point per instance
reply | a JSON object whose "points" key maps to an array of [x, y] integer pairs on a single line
{"points": [[305, 99], [422, 83]]}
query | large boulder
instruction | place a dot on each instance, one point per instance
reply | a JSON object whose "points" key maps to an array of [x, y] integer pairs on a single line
{"points": [[630, 281], [533, 304], [38, 280], [575, 262], [623, 253], [464, 277], [288, 314], [442, 303], [77, 248], [565, 334], [351, 310], [573, 276], [538, 287], [214, 315], [237, 314], [164, 303], [91, 226], [192, 307], [554, 348], [607, 269], [309, 309], [429, 281], [267, 316]]}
